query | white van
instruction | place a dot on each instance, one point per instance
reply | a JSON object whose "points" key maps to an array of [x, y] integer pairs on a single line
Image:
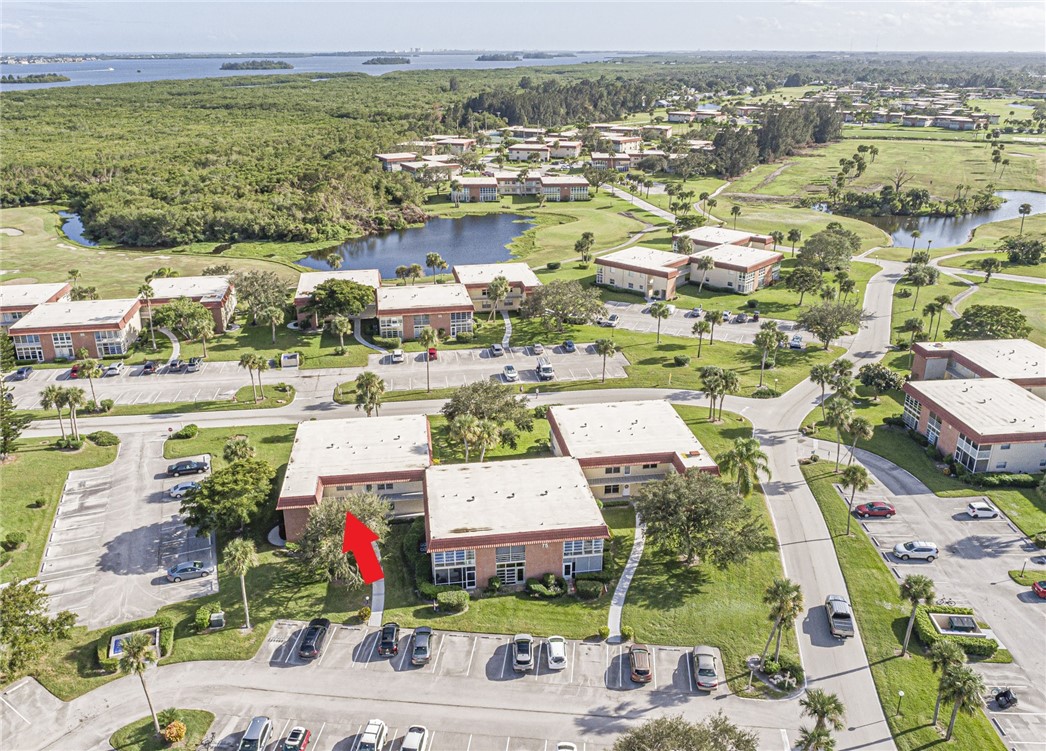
{"points": [[545, 370]]}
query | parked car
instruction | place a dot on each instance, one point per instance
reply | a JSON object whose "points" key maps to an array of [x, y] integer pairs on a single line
{"points": [[312, 643], [698, 311], [916, 549], [796, 342], [981, 510], [297, 740], [389, 643], [421, 650], [373, 737], [510, 374], [610, 321], [671, 309], [875, 508], [114, 368], [741, 317], [706, 674], [149, 368], [569, 346], [194, 365], [22, 373], [537, 349], [183, 489], [258, 735], [556, 652], [640, 663], [187, 467], [74, 372], [398, 356], [416, 739], [840, 616], [545, 370], [566, 746], [176, 366], [522, 652], [188, 570], [1039, 588], [726, 316], [496, 350], [433, 354], [755, 316]]}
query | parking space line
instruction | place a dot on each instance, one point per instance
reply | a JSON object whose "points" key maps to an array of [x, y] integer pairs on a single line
{"points": [[573, 661], [5, 701], [327, 647], [284, 728], [439, 651], [472, 654], [690, 674], [784, 740], [402, 656], [316, 740], [469, 747], [359, 737], [294, 649], [507, 741], [653, 670], [508, 654], [70, 592]]}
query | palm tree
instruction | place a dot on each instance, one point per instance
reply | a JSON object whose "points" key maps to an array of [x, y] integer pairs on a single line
{"points": [[794, 236], [856, 478], [990, 266], [839, 411], [917, 589], [165, 272], [488, 436], [75, 276], [414, 272], [713, 317], [916, 234], [428, 338], [712, 385], [915, 326], [825, 708], [785, 598], [944, 656], [402, 272], [274, 317], [816, 739], [659, 311], [735, 211], [435, 260], [74, 399], [778, 238], [731, 385], [465, 428], [369, 388], [860, 428], [704, 264], [237, 449], [147, 293], [699, 329], [932, 309], [964, 687], [138, 652], [823, 376], [241, 557], [606, 348], [248, 361], [261, 365], [944, 300], [334, 260], [745, 461], [497, 292], [1024, 210], [340, 326], [53, 397], [91, 369]]}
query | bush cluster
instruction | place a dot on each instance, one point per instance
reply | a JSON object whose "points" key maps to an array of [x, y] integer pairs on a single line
{"points": [[628, 633], [895, 420], [454, 601], [363, 614], [494, 585], [13, 540], [588, 589], [69, 444], [392, 342], [165, 624], [604, 632], [1001, 480], [103, 438], [603, 576], [417, 563], [174, 732], [681, 360], [189, 431], [928, 633], [553, 265], [549, 586], [202, 621], [464, 337]]}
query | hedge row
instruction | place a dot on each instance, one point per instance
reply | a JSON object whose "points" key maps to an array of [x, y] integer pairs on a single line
{"points": [[928, 633], [165, 624]]}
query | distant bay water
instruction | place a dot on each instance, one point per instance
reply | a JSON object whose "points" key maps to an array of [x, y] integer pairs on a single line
{"points": [[102, 72]]}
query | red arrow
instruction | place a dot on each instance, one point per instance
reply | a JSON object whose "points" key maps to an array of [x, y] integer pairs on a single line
{"points": [[359, 540]]}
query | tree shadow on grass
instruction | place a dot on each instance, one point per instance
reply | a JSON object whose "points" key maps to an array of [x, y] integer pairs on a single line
{"points": [[665, 583]]}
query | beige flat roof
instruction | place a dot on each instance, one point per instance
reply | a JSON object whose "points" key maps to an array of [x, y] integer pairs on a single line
{"points": [[57, 315], [399, 155], [988, 406], [483, 182], [310, 280], [740, 256], [590, 431], [513, 500], [371, 446], [645, 258], [484, 273], [529, 147], [570, 180], [207, 288], [20, 295], [1003, 358], [718, 236], [422, 297]]}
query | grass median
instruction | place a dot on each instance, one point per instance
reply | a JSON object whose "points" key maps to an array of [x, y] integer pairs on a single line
{"points": [[1025, 297], [140, 736]]}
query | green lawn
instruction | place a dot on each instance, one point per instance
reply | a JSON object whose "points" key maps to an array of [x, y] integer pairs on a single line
{"points": [[317, 347], [766, 215], [244, 399], [36, 471], [912, 307], [140, 736], [529, 445], [1027, 298], [973, 260]]}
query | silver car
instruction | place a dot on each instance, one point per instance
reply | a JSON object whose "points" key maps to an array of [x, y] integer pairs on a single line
{"points": [[705, 672], [416, 739], [183, 489], [496, 350], [537, 349], [188, 570], [510, 374]]}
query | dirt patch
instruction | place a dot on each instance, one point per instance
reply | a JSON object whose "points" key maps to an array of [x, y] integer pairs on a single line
{"points": [[11, 231]]}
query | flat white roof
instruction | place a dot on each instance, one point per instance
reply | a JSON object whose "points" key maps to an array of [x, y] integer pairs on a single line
{"points": [[207, 288], [739, 256], [718, 236], [372, 445], [591, 431], [572, 180], [601, 155], [1003, 358], [512, 500], [399, 155], [308, 281], [21, 295], [484, 273], [988, 406], [645, 258], [422, 297], [56, 315], [529, 147], [483, 182]]}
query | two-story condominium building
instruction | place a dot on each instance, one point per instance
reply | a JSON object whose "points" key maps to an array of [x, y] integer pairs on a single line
{"points": [[737, 268], [511, 519], [57, 330], [215, 293], [425, 147], [624, 444], [432, 166], [636, 157], [404, 311], [309, 281], [701, 238], [519, 131], [1017, 360], [476, 277], [625, 144], [653, 273], [475, 190], [619, 162], [656, 131], [987, 424], [333, 458], [456, 145], [565, 149], [525, 152], [681, 116], [394, 162], [564, 187], [18, 299]]}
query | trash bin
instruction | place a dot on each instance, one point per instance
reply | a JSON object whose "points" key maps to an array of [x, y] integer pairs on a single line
{"points": [[218, 619]]}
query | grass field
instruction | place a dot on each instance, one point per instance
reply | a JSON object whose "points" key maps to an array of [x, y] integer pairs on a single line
{"points": [[529, 445], [972, 261], [244, 400], [36, 471], [1027, 298], [766, 216], [140, 736], [912, 307]]}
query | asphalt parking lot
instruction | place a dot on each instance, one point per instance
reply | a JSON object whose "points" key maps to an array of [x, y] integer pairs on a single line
{"points": [[636, 317]]}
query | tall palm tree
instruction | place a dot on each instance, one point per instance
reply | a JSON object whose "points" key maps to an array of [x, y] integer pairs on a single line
{"points": [[465, 428], [433, 260], [369, 388], [138, 653], [273, 316], [916, 234], [825, 708], [990, 266], [261, 365], [916, 589], [932, 310], [606, 348], [699, 330], [703, 264], [815, 739], [856, 478], [785, 598], [488, 436], [794, 236], [860, 428], [822, 375], [964, 687], [838, 413], [147, 293], [75, 398], [241, 557], [944, 656], [53, 397], [778, 237], [712, 385], [75, 276], [415, 272], [915, 327], [660, 312], [497, 292], [735, 211], [248, 361], [745, 460], [428, 338], [944, 300], [334, 260], [1024, 210], [340, 326], [713, 317], [731, 385], [90, 369]]}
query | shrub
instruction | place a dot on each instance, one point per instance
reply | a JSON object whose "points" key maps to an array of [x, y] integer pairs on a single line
{"points": [[1039, 539], [38, 503], [553, 265], [494, 584], [681, 360], [202, 621], [363, 614], [1001, 479], [464, 337], [771, 666], [604, 632], [752, 303], [541, 411], [628, 633], [165, 624], [167, 716], [339, 350], [174, 732], [764, 392], [106, 405], [392, 342], [282, 387], [432, 591], [904, 292], [103, 438], [549, 586], [68, 444], [895, 420], [456, 601], [928, 633], [189, 431], [792, 668], [934, 453], [588, 589], [13, 540], [814, 458]]}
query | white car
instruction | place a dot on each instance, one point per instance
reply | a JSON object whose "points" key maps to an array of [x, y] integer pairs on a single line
{"points": [[726, 316], [522, 652], [981, 510], [397, 355], [556, 652], [510, 374], [416, 739], [927, 551], [114, 369], [537, 349], [182, 489], [796, 342], [671, 309], [374, 736]]}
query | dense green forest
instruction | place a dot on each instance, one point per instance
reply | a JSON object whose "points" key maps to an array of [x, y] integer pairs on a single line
{"points": [[258, 65], [387, 61]]}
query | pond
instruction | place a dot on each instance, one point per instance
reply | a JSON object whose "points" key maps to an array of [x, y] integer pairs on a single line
{"points": [[73, 228], [480, 238], [944, 232]]}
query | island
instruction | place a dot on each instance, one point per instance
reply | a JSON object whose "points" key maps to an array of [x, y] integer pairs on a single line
{"points": [[258, 65], [35, 78], [387, 61], [499, 57], [546, 55]]}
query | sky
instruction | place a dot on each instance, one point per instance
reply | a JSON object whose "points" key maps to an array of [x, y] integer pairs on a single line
{"points": [[101, 26]]}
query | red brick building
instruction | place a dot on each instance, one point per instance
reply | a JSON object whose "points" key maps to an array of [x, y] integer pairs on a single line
{"points": [[18, 299], [215, 293], [404, 311], [58, 330]]}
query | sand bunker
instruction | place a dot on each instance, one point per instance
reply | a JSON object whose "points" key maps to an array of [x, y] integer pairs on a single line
{"points": [[11, 231]]}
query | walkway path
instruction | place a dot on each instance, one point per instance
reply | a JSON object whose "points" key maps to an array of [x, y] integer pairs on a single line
{"points": [[377, 596], [668, 216], [176, 346], [359, 338], [508, 329], [617, 603], [953, 270]]}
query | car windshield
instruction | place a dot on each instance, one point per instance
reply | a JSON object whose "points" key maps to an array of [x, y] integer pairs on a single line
{"points": [[706, 671], [248, 744], [909, 546], [524, 648]]}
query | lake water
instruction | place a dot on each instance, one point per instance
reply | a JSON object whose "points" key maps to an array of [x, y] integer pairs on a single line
{"points": [[101, 72], [470, 239], [74, 229]]}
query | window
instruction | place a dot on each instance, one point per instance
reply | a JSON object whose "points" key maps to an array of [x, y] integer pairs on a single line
{"points": [[421, 321], [650, 466], [510, 564], [391, 327], [584, 555], [455, 567], [1004, 447], [28, 347], [912, 409], [109, 343], [343, 488], [933, 429], [385, 486], [460, 323], [611, 489], [1000, 465], [582, 547], [612, 470]]}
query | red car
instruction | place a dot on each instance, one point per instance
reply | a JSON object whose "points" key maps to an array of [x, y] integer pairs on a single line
{"points": [[74, 372], [1039, 588], [875, 508]]}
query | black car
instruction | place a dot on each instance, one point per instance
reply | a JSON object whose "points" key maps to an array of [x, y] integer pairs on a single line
{"points": [[187, 467], [312, 642], [22, 373], [389, 644], [149, 368]]}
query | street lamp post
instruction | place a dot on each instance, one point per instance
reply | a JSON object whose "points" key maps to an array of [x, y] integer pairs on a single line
{"points": [[900, 696]]}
